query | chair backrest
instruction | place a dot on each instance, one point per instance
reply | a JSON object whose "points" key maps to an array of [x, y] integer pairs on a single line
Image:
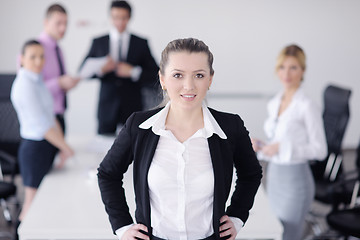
{"points": [[9, 124], [355, 196], [357, 161], [9, 127], [336, 116]]}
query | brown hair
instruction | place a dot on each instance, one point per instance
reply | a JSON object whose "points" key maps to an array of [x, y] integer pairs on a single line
{"points": [[185, 45], [29, 43], [121, 4], [292, 51], [55, 8]]}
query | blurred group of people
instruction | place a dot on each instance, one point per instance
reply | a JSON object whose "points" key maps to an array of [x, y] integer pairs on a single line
{"points": [[294, 129], [42, 82]]}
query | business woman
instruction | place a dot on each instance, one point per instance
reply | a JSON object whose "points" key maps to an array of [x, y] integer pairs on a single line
{"points": [[183, 157], [295, 132], [42, 136]]}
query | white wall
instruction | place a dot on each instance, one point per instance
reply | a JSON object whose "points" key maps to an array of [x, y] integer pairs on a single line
{"points": [[244, 35]]}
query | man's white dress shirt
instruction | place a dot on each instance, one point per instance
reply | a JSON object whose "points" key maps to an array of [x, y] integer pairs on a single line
{"points": [[122, 40]]}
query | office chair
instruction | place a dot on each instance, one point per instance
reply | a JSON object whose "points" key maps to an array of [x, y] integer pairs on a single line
{"points": [[335, 117], [9, 143], [346, 222], [9, 128]]}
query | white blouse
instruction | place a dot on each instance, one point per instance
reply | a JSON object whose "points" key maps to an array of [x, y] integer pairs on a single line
{"points": [[181, 181], [299, 130], [33, 104]]}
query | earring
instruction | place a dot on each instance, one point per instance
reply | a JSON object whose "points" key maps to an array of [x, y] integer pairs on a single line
{"points": [[163, 88]]}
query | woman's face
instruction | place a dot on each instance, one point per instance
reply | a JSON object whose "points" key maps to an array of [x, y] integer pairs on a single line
{"points": [[290, 73], [33, 58], [186, 79]]}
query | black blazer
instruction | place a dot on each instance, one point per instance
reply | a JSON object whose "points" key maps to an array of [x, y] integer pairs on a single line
{"points": [[137, 145]]}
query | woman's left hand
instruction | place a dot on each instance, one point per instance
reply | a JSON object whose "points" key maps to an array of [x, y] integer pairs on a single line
{"points": [[227, 228], [270, 149]]}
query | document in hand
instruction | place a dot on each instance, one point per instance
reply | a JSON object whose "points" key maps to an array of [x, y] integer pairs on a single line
{"points": [[91, 67]]}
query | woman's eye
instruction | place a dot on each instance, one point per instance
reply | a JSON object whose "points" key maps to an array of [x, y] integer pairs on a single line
{"points": [[177, 75], [199, 75]]}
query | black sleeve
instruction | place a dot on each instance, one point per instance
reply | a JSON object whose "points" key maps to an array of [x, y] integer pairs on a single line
{"points": [[150, 69], [110, 178], [91, 53], [248, 172]]}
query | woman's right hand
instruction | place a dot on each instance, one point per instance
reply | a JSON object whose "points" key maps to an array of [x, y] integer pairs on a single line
{"points": [[65, 153], [136, 231]]}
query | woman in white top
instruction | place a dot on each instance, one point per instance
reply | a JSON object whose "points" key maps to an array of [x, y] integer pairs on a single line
{"points": [[183, 158], [40, 132], [295, 132]]}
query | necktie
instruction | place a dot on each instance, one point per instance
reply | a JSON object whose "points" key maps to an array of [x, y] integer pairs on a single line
{"points": [[61, 67], [119, 57]]}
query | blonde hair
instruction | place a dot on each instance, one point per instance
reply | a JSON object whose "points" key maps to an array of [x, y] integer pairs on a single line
{"points": [[291, 51]]}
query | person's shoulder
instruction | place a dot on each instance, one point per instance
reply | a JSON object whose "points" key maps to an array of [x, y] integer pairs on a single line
{"points": [[139, 117], [225, 119], [137, 39], [230, 123], [274, 99], [101, 38], [303, 99], [221, 114]]}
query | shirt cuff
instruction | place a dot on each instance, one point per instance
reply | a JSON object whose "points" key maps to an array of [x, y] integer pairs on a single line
{"points": [[99, 73], [136, 73], [237, 223], [120, 232]]}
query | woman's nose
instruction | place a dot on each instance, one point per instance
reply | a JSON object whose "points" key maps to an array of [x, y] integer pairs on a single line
{"points": [[188, 83]]}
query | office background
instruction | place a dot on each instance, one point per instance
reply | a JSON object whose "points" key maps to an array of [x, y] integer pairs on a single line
{"points": [[244, 35]]}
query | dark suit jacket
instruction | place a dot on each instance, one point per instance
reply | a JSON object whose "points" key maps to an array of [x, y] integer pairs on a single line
{"points": [[114, 88], [138, 55], [138, 146]]}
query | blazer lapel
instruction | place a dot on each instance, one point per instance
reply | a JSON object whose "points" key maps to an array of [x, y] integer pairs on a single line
{"points": [[221, 157], [145, 146], [105, 46], [131, 49]]}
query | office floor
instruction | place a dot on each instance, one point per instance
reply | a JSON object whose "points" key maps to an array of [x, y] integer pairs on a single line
{"points": [[7, 232]]}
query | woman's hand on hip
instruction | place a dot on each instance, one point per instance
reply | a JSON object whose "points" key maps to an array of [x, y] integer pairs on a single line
{"points": [[136, 231], [227, 228]]}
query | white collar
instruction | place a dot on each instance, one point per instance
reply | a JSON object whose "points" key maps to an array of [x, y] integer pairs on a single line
{"points": [[115, 35], [298, 93], [36, 77], [157, 122]]}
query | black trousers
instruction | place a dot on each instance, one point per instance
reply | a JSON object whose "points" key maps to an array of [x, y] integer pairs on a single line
{"points": [[117, 101]]}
